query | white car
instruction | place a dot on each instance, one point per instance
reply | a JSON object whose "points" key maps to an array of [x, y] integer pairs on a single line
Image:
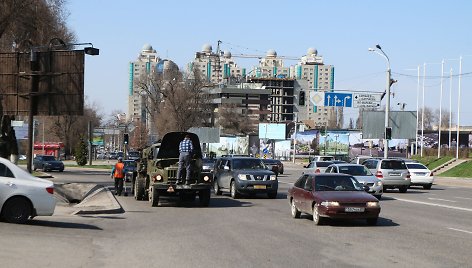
{"points": [[316, 167], [362, 175], [23, 196], [420, 175]]}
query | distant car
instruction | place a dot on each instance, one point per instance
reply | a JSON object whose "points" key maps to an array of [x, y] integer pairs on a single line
{"points": [[338, 196], [112, 155], [359, 159], [47, 163], [208, 166], [275, 165], [322, 158], [316, 167], [23, 196], [420, 175], [133, 155], [392, 172], [22, 157], [244, 175], [362, 175]]}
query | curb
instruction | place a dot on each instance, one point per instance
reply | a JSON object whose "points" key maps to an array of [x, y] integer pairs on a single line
{"points": [[93, 203]]}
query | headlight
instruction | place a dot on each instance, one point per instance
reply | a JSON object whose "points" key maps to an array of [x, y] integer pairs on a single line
{"points": [[330, 204], [242, 177], [206, 178], [372, 204], [158, 178], [273, 177]]}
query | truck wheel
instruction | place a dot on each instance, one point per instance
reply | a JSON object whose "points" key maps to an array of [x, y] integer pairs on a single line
{"points": [[204, 197], [138, 190], [153, 197]]}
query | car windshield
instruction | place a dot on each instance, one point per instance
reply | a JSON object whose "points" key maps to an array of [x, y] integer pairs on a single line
{"points": [[133, 154], [270, 161], [416, 166], [335, 183], [248, 164], [355, 170], [323, 163], [130, 164], [49, 158], [395, 164], [209, 161]]}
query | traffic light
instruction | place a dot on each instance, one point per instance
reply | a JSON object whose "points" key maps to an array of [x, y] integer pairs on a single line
{"points": [[125, 138], [388, 133], [301, 100]]}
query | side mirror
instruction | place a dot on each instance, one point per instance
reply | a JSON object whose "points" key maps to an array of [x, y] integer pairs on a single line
{"points": [[226, 168], [366, 188]]}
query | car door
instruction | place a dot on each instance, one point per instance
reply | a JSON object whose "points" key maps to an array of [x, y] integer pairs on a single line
{"points": [[307, 196], [225, 177], [298, 191], [7, 183]]}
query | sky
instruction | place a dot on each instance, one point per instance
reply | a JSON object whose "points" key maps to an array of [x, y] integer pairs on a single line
{"points": [[411, 33]]}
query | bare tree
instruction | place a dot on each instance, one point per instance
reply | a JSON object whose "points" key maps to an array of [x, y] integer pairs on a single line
{"points": [[429, 119], [445, 119], [233, 121], [139, 136]]}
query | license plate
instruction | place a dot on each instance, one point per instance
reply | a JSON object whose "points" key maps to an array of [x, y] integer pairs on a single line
{"points": [[259, 187], [420, 174], [394, 174], [351, 209]]}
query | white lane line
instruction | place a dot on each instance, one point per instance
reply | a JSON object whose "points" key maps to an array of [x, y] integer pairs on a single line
{"points": [[459, 230], [467, 198], [434, 204], [286, 182], [439, 199]]}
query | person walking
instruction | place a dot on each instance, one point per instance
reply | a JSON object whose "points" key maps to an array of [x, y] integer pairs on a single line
{"points": [[185, 157], [118, 173]]}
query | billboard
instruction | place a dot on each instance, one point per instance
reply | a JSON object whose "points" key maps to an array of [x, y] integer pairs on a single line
{"points": [[403, 124], [272, 131]]}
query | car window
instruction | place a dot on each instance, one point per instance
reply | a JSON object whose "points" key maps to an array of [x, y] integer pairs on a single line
{"points": [[5, 171], [416, 166], [49, 158], [228, 163], [355, 170], [323, 163], [309, 184], [328, 170], [335, 183], [300, 183], [248, 163], [392, 164]]}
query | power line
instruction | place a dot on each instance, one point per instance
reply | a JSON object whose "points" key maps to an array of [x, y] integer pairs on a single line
{"points": [[432, 76]]}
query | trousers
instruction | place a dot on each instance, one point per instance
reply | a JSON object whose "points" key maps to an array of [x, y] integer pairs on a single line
{"points": [[184, 162], [118, 185]]}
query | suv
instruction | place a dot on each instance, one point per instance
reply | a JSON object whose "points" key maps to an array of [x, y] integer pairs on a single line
{"points": [[157, 174], [392, 172], [244, 175]]}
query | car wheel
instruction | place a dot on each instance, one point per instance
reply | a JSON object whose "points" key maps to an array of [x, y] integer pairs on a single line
{"points": [[138, 190], [295, 212], [378, 196], [233, 191], [272, 195], [153, 197], [216, 188], [34, 168], [372, 221], [403, 189], [427, 186], [61, 170], [16, 210], [317, 220], [204, 197]]}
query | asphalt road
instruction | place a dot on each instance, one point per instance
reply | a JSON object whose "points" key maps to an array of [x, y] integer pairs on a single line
{"points": [[421, 228]]}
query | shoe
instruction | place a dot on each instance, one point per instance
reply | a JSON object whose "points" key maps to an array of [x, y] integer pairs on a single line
{"points": [[116, 193], [188, 183]]}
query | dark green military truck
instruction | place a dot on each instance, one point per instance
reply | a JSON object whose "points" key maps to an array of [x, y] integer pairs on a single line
{"points": [[157, 176]]}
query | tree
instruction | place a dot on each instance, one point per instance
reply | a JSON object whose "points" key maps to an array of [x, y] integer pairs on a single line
{"points": [[429, 119], [81, 152], [233, 121], [139, 136], [445, 119]]}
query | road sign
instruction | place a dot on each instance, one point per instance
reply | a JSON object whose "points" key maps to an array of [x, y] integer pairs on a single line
{"points": [[338, 99], [366, 100], [317, 98]]}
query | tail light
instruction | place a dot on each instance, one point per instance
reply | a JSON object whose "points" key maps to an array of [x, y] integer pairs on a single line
{"points": [[50, 190], [379, 175], [408, 175], [317, 170]]}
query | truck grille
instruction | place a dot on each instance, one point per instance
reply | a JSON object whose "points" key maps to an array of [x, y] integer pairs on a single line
{"points": [[172, 175]]}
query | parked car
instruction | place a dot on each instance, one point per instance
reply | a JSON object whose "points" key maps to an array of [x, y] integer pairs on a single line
{"points": [[337, 196], [420, 175], [47, 163], [359, 159], [392, 172], [208, 166], [275, 165], [133, 155], [244, 175], [362, 175], [316, 167], [112, 155], [23, 196], [22, 157]]}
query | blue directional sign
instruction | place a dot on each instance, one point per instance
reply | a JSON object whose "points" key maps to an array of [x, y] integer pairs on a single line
{"points": [[338, 99]]}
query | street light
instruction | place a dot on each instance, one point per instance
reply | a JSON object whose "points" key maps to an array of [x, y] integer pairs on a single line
{"points": [[417, 107], [387, 106], [459, 105]]}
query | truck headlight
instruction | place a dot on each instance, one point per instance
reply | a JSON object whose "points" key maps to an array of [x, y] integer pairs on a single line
{"points": [[242, 177], [206, 178], [273, 177], [158, 178]]}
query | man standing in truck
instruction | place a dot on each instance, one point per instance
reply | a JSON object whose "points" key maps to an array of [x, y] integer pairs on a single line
{"points": [[185, 157]]}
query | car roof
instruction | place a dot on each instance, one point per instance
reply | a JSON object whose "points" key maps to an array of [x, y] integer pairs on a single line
{"points": [[314, 175], [347, 164]]}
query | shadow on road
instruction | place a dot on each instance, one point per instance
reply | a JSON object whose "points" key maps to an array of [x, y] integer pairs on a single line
{"points": [[382, 222], [215, 202], [66, 225]]}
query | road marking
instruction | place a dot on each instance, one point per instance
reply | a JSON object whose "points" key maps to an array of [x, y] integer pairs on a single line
{"points": [[459, 230], [439, 199], [434, 204], [286, 182], [464, 198]]}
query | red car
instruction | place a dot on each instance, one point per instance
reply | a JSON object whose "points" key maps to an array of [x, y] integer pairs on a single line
{"points": [[327, 195]]}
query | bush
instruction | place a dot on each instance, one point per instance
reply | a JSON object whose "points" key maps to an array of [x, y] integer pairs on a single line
{"points": [[81, 152]]}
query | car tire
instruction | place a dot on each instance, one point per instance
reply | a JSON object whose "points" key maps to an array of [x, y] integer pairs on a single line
{"points": [[216, 188], [204, 197], [293, 208], [153, 197], [233, 191], [378, 197], [272, 195], [317, 219], [427, 186], [403, 189], [34, 168], [61, 170], [372, 221], [16, 210], [138, 190]]}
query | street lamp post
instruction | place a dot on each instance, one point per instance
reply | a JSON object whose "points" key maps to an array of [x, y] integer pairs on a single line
{"points": [[417, 106], [387, 92]]}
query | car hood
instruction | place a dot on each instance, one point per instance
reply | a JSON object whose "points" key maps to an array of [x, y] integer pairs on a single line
{"points": [[345, 196], [254, 171], [53, 162], [170, 145], [367, 179]]}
